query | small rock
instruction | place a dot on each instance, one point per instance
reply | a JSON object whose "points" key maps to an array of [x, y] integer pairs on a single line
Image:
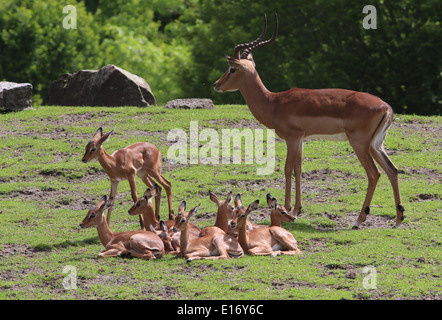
{"points": [[190, 104]]}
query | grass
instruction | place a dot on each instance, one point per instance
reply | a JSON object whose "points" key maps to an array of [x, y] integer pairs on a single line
{"points": [[45, 192]]}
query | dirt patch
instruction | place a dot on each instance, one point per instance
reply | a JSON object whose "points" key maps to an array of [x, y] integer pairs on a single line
{"points": [[7, 250]]}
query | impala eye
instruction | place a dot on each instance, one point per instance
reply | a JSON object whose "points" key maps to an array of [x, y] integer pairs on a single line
{"points": [[138, 204], [92, 216], [283, 212], [232, 70], [183, 220], [93, 149]]}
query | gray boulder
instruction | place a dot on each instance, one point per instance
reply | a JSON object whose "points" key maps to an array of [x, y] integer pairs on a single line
{"points": [[15, 96], [190, 104], [110, 86]]}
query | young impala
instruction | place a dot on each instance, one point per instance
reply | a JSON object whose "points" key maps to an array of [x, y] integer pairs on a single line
{"points": [[215, 245], [279, 213], [298, 115], [164, 235], [142, 159], [140, 244], [144, 207], [223, 215], [272, 240]]}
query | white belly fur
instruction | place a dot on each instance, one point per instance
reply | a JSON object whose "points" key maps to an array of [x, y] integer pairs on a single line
{"points": [[334, 137]]}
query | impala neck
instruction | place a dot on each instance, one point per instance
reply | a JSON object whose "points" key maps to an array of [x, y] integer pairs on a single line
{"points": [[107, 161], [221, 221], [243, 237], [274, 221], [149, 218], [184, 239], [258, 99], [104, 232]]}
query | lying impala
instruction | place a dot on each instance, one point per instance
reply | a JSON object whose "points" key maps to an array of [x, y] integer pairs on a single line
{"points": [[223, 215], [279, 213], [250, 225], [216, 245], [142, 159], [272, 240], [298, 115], [139, 244], [164, 235], [144, 207]]}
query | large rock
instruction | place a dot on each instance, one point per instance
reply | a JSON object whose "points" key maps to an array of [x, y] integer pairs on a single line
{"points": [[189, 104], [15, 96], [110, 86]]}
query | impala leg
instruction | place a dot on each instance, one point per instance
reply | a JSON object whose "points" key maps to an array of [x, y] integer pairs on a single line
{"points": [[362, 152], [113, 192], [109, 253], [149, 183], [133, 191], [293, 163], [287, 240], [392, 172], [167, 186], [298, 171]]}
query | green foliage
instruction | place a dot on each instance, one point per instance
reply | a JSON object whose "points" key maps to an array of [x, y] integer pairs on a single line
{"points": [[178, 46], [323, 44]]}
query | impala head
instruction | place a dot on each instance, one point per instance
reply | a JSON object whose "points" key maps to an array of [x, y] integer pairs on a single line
{"points": [[95, 216], [278, 211], [93, 146], [183, 217], [241, 213], [224, 206], [242, 65], [145, 201], [164, 235]]}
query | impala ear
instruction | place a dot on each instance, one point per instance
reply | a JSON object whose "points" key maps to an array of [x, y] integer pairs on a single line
{"points": [[193, 211], [229, 197], [104, 203], [271, 201], [182, 206], [214, 198], [250, 58], [98, 134], [105, 137], [253, 206], [237, 201]]}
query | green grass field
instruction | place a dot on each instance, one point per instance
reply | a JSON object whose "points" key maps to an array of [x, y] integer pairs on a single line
{"points": [[46, 191]]}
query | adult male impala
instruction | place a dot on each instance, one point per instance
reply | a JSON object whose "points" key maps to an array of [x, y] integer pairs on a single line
{"points": [[298, 115]]}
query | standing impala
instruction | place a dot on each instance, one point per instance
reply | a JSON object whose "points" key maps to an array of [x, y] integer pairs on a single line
{"points": [[140, 244], [142, 159], [298, 115]]}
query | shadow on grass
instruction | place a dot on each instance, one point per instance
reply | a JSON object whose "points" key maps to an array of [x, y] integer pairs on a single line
{"points": [[66, 244]]}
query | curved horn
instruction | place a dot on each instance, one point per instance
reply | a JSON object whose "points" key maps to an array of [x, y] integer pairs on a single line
{"points": [[246, 52], [242, 46]]}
